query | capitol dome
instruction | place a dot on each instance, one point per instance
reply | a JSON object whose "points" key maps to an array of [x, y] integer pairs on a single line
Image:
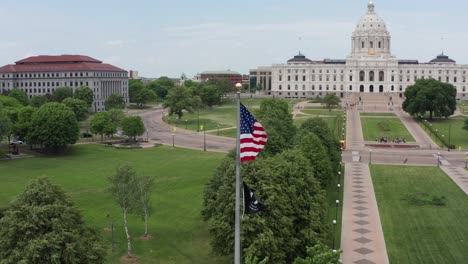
{"points": [[371, 36]]}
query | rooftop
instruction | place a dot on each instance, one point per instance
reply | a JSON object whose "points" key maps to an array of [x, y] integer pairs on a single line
{"points": [[220, 72], [57, 59]]}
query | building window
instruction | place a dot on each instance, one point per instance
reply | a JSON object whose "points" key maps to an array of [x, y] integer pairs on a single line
{"points": [[361, 76], [320, 87], [303, 78], [350, 78], [393, 88], [454, 79], [362, 44], [313, 87], [280, 77], [289, 87], [280, 88], [295, 87], [303, 87], [380, 45], [296, 78], [334, 87], [381, 76], [289, 78], [371, 76], [350, 87]]}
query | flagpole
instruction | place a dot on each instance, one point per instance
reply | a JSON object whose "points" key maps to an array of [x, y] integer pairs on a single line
{"points": [[237, 249]]}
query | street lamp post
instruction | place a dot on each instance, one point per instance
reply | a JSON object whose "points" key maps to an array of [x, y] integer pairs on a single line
{"points": [[438, 159], [218, 130], [466, 160], [147, 135], [198, 119], [204, 137], [370, 156], [186, 123], [173, 135]]}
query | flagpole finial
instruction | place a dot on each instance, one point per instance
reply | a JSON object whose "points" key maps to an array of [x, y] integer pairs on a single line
{"points": [[239, 87]]}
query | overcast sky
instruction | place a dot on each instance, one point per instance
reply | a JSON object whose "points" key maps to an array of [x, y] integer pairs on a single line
{"points": [[167, 38]]}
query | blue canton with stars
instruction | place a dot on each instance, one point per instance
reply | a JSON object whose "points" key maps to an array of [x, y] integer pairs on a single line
{"points": [[247, 120]]}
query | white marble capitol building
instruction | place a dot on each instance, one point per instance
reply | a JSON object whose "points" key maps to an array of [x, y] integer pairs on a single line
{"points": [[370, 68]]}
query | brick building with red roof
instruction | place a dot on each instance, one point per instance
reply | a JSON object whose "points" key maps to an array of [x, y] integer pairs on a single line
{"points": [[40, 75]]}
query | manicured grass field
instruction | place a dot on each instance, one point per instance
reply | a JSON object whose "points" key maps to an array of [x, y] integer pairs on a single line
{"points": [[179, 233], [372, 131], [322, 112], [218, 116], [376, 114], [458, 136], [425, 234]]}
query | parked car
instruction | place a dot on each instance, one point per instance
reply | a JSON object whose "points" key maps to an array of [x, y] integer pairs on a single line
{"points": [[16, 142], [87, 135]]}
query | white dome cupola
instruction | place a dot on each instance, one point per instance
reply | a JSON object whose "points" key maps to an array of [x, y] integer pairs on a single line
{"points": [[371, 38]]}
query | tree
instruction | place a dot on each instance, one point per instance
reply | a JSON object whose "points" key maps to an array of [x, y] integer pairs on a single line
{"points": [[161, 86], [134, 87], [429, 95], [38, 100], [133, 126], [224, 85], [275, 117], [143, 96], [210, 95], [178, 100], [102, 124], [295, 214], [60, 94], [116, 116], [313, 149], [24, 123], [78, 106], [144, 186], [5, 125], [19, 95], [465, 126], [319, 254], [54, 125], [331, 101], [320, 128], [9, 103], [86, 94], [122, 188], [115, 101], [43, 226]]}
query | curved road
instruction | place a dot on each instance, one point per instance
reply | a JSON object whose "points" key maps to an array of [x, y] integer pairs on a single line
{"points": [[162, 133]]}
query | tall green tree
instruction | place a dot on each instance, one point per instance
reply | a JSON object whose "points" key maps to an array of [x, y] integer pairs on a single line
{"points": [[295, 214], [224, 85], [122, 188], [38, 100], [133, 126], [78, 106], [54, 125], [161, 86], [85, 94], [24, 124], [102, 124], [42, 225], [144, 188], [5, 125], [275, 117], [320, 128], [465, 126], [115, 101], [19, 95], [9, 103], [210, 95], [313, 149], [134, 87], [60, 94], [144, 96], [178, 100], [331, 101], [429, 95]]}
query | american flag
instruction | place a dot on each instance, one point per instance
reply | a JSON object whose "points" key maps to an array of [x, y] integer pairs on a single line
{"points": [[252, 135]]}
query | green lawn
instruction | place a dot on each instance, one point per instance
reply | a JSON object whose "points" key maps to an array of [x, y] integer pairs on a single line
{"points": [[325, 112], [372, 130], [180, 235], [376, 114], [458, 136], [223, 116], [423, 234], [463, 106]]}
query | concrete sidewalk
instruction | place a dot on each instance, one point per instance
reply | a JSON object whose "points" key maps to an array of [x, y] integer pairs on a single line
{"points": [[362, 236], [422, 139]]}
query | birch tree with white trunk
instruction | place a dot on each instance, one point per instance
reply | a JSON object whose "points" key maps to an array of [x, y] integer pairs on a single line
{"points": [[123, 189], [144, 186]]}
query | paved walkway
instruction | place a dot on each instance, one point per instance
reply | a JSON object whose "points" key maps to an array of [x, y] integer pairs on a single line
{"points": [[459, 175], [422, 139], [362, 236]]}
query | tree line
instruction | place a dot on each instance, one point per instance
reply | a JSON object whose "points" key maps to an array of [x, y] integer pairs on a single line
{"points": [[290, 176], [179, 98], [51, 121]]}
